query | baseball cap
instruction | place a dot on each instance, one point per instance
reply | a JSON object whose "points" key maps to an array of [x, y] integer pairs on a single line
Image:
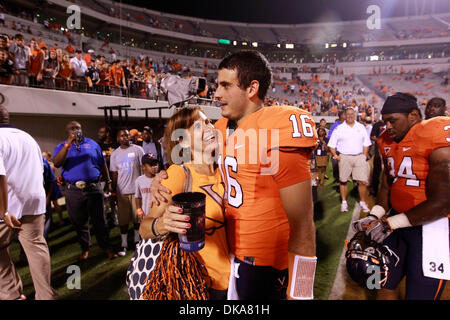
{"points": [[42, 45], [149, 159], [148, 129]]}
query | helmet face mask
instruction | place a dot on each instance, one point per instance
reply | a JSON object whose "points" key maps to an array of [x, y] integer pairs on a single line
{"points": [[364, 257]]}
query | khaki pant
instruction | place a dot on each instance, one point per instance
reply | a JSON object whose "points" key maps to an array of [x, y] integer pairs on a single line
{"points": [[126, 209], [355, 166], [32, 240]]}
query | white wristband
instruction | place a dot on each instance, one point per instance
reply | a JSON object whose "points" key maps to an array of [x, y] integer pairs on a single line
{"points": [[378, 211], [399, 221], [302, 284]]}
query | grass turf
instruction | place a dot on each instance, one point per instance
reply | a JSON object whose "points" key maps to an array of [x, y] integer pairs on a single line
{"points": [[331, 230], [103, 279]]}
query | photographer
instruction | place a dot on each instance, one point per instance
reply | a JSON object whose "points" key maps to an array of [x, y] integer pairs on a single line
{"points": [[82, 165]]}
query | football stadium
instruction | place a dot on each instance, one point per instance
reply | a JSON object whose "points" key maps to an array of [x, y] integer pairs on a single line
{"points": [[252, 150]]}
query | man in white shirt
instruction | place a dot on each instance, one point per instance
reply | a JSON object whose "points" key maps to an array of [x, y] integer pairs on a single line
{"points": [[22, 211], [353, 142], [79, 66]]}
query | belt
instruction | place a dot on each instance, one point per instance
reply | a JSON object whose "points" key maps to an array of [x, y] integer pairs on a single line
{"points": [[83, 184], [353, 155]]}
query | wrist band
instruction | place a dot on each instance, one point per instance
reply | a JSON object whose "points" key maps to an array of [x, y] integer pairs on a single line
{"points": [[399, 221], [378, 211], [153, 227], [303, 274], [67, 145], [139, 210]]}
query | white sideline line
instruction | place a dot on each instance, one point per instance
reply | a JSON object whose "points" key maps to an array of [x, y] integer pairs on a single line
{"points": [[338, 289]]}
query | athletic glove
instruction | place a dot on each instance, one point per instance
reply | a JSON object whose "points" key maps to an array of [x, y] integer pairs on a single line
{"points": [[361, 224], [379, 230]]}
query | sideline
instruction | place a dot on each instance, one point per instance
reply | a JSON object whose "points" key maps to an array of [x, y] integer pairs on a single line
{"points": [[338, 289]]}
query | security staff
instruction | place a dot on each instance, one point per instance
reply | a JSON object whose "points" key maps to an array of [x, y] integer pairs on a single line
{"points": [[82, 165]]}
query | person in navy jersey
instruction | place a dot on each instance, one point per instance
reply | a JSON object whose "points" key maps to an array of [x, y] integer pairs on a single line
{"points": [[83, 167], [49, 181]]}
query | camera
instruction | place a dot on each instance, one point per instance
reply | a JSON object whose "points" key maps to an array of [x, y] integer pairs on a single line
{"points": [[180, 90]]}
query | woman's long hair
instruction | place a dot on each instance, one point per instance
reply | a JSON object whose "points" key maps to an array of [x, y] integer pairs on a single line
{"points": [[182, 119]]}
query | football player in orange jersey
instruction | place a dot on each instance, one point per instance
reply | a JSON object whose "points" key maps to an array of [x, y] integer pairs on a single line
{"points": [[269, 209], [414, 193]]}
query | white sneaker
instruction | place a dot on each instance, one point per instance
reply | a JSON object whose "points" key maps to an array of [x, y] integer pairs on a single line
{"points": [[122, 252], [344, 206], [364, 207]]}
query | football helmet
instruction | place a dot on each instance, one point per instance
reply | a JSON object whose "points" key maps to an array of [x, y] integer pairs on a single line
{"points": [[363, 253]]}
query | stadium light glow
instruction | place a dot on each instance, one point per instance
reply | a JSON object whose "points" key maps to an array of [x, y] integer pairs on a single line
{"points": [[334, 45], [244, 43], [327, 45], [289, 46], [278, 45], [374, 58], [234, 43], [344, 45], [255, 44]]}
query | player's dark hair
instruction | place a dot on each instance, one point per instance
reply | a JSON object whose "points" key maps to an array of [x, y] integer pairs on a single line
{"points": [[250, 65]]}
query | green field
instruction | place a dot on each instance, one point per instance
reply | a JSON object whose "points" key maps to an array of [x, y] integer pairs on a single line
{"points": [[104, 279]]}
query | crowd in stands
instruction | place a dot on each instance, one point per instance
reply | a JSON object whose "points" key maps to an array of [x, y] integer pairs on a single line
{"points": [[323, 97], [38, 64]]}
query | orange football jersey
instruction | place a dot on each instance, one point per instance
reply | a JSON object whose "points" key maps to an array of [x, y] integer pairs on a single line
{"points": [[407, 161], [257, 225]]}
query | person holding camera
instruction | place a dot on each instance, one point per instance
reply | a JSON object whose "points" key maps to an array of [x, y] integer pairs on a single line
{"points": [[83, 166]]}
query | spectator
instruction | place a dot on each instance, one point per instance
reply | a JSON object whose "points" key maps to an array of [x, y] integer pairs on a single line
{"points": [[117, 78], [22, 54], [49, 182], [83, 165], [334, 162], [65, 72], [36, 63], [126, 73], [6, 67], [22, 208], [352, 141], [93, 77], [88, 57], [153, 147], [163, 218], [377, 129], [321, 154], [126, 168], [51, 69], [149, 169], [105, 78], [436, 107], [108, 144], [80, 68], [323, 124], [56, 193]]}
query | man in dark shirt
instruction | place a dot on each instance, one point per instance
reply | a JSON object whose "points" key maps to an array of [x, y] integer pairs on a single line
{"points": [[377, 129], [82, 165]]}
